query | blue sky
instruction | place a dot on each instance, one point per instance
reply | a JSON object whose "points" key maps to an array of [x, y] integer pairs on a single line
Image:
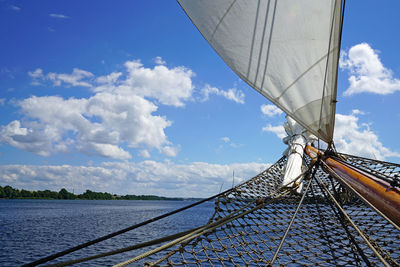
{"points": [[127, 97]]}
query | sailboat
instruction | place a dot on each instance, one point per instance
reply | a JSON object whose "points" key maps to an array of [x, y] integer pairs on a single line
{"points": [[314, 206]]}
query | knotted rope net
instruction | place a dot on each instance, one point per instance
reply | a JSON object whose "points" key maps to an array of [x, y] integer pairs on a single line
{"points": [[261, 223], [264, 223]]}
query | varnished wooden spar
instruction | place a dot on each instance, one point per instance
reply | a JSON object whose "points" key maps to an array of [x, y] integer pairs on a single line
{"points": [[378, 192]]}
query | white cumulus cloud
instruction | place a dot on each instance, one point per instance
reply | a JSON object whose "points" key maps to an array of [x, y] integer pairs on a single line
{"points": [[232, 94], [75, 78], [168, 86], [367, 73], [96, 125], [159, 61], [278, 130], [270, 110], [354, 138], [78, 77], [117, 117]]}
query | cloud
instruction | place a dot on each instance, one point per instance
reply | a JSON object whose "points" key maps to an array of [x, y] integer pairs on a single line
{"points": [[352, 138], [197, 179], [170, 151], [357, 112], [159, 61], [225, 139], [232, 94], [58, 16], [367, 72], [270, 110], [24, 138], [36, 75], [76, 78], [167, 86], [15, 8], [278, 130], [109, 79], [145, 153], [2, 101], [96, 126], [117, 117]]}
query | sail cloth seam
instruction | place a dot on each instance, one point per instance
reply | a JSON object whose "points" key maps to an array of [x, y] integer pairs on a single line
{"points": [[253, 40], [269, 44], [222, 18], [301, 75], [261, 46], [213, 20]]}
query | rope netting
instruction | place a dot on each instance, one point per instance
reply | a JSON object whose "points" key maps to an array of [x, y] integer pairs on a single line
{"points": [[262, 223], [254, 225]]}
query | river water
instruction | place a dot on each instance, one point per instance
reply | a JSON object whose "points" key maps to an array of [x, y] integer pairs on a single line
{"points": [[31, 229]]}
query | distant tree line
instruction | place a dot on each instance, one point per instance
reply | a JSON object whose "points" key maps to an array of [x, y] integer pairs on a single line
{"points": [[9, 192]]}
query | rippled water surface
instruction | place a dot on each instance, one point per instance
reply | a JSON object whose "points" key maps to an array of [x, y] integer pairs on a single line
{"points": [[31, 229]]}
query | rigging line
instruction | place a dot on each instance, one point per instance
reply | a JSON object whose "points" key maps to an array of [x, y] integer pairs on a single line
{"points": [[354, 225], [261, 46], [217, 223], [367, 170], [293, 217], [333, 110], [97, 240], [340, 219], [201, 231], [326, 67], [323, 226], [122, 250]]}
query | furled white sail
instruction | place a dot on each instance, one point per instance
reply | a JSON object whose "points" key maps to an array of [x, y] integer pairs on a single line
{"points": [[285, 49], [296, 140]]}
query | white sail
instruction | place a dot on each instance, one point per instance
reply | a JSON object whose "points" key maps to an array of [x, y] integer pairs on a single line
{"points": [[296, 140], [285, 49]]}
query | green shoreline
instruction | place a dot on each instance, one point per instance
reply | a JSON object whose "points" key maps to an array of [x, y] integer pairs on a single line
{"points": [[8, 192]]}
